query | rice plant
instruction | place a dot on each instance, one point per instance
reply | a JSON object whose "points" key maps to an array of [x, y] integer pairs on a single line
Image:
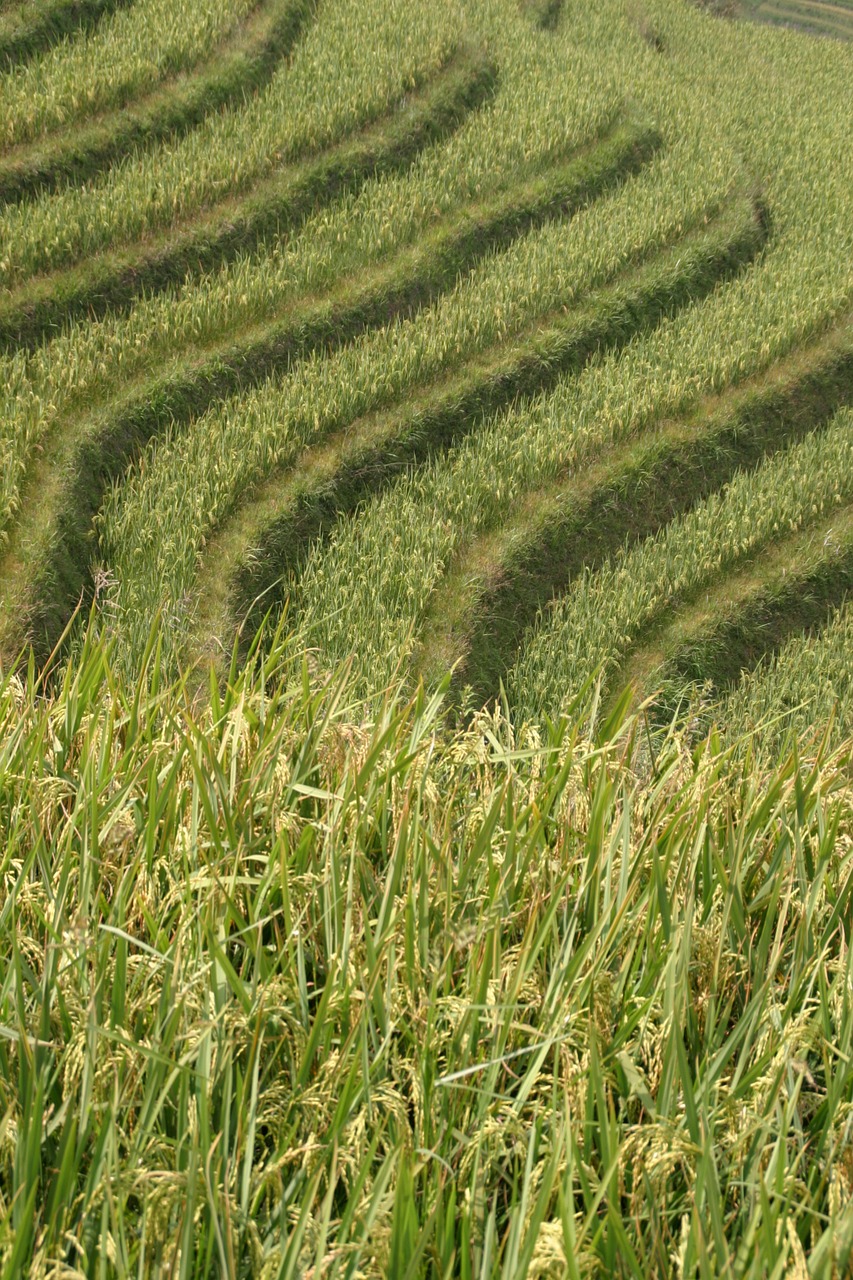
{"points": [[149, 539], [310, 102], [29, 27], [806, 689], [287, 989], [127, 52], [390, 563], [243, 65]]}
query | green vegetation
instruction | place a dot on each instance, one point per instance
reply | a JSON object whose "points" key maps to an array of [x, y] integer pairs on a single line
{"points": [[800, 687], [785, 492], [244, 65], [426, 694], [790, 589], [378, 447], [576, 528], [30, 27], [136, 45], [311, 102], [545, 13], [282, 202], [270, 440], [283, 989], [55, 572]]}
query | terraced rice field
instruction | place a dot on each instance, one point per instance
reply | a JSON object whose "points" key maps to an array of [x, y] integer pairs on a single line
{"points": [[512, 340], [832, 18], [426, 342], [31, 27]]}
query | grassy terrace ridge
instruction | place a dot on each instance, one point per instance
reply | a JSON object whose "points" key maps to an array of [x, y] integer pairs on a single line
{"points": [[114, 280], [510, 575], [32, 28], [608, 612], [814, 17], [794, 588], [817, 23], [57, 567], [290, 517], [386, 999], [437, 415], [244, 64]]}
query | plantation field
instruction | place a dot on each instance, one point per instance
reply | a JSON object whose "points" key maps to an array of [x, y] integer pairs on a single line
{"points": [[426, 534]]}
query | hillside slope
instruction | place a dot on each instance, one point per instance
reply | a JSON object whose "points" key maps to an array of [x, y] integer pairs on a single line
{"points": [[338, 344], [426, 670]]}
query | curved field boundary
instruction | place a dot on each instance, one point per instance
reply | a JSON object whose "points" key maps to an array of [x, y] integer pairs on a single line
{"points": [[812, 19], [242, 67], [610, 612], [412, 280], [793, 589], [579, 524], [112, 281], [801, 692], [291, 517], [824, 6], [129, 55], [46, 24]]}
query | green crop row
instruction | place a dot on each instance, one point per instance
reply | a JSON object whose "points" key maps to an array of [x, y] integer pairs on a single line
{"points": [[390, 561], [806, 690], [603, 614], [494, 470], [155, 522], [381, 54], [275, 207], [46, 392], [791, 589], [32, 26], [523, 127], [328, 486], [631, 493], [247, 61], [401, 287], [816, 19], [128, 52], [87, 366]]}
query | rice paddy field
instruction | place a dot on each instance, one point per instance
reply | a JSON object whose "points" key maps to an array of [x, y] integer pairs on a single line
{"points": [[426, 664]]}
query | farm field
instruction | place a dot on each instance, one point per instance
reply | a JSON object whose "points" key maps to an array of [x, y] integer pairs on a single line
{"points": [[426, 671]]}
